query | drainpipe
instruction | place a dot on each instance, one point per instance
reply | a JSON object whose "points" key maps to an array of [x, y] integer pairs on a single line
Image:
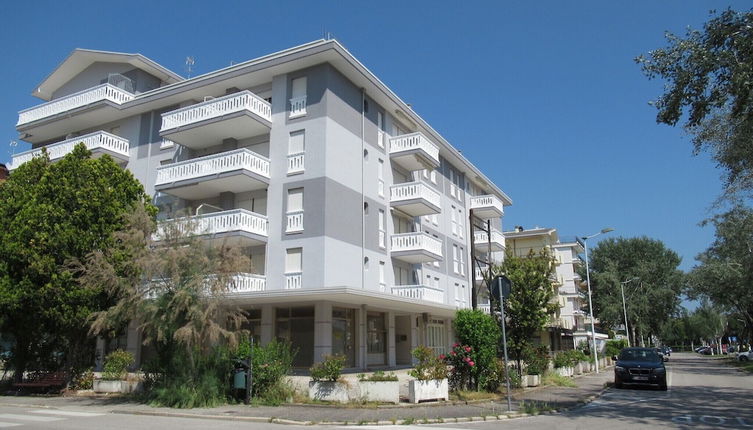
{"points": [[363, 196]]}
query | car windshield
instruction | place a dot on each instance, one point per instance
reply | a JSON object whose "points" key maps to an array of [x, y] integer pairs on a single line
{"points": [[639, 355]]}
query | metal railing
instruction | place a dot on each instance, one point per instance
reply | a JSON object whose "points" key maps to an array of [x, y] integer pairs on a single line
{"points": [[293, 281], [414, 190], [417, 140], [221, 222], [419, 292], [213, 164], [415, 242], [76, 100], [296, 162], [294, 222], [92, 141], [236, 102], [297, 107]]}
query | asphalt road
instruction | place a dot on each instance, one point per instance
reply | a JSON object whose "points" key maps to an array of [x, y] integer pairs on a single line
{"points": [[702, 395]]}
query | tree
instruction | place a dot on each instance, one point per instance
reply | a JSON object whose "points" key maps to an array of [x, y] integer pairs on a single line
{"points": [[529, 306], [725, 272], [50, 213], [177, 290], [710, 84], [654, 295]]}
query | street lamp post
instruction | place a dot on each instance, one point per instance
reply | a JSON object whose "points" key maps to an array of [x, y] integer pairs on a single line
{"points": [[590, 303], [624, 307]]}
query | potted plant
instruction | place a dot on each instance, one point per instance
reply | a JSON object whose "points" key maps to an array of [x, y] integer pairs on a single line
{"points": [[561, 364], [115, 374], [431, 377], [325, 380], [379, 387], [537, 361]]}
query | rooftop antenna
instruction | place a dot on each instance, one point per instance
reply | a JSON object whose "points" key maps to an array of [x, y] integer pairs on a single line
{"points": [[189, 65]]}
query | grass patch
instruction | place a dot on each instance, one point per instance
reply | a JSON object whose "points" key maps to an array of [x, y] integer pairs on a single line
{"points": [[553, 379], [746, 366], [535, 408], [465, 396]]}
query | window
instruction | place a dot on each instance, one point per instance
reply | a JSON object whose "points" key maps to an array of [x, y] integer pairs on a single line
{"points": [[293, 268], [436, 336], [295, 211], [460, 296], [452, 182], [433, 177], [380, 173], [296, 150], [461, 217], [382, 282], [376, 333], [380, 129], [454, 220], [455, 259], [461, 256], [435, 219], [382, 233], [298, 97]]}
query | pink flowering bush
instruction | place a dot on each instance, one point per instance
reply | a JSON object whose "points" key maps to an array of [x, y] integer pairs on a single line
{"points": [[462, 363]]}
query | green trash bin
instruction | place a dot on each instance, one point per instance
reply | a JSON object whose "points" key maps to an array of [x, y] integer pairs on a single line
{"points": [[239, 379]]}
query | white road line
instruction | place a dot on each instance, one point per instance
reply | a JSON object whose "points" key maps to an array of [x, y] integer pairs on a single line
{"points": [[4, 425], [29, 418], [66, 413]]}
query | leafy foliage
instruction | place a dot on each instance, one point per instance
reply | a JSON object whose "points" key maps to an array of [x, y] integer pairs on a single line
{"points": [[429, 366], [710, 82], [613, 347], [494, 377], [529, 306], [462, 366], [270, 364], [49, 214], [116, 365], [481, 333], [378, 376], [328, 369], [654, 295], [537, 359]]}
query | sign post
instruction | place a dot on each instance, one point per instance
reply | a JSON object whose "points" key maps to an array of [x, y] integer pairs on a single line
{"points": [[501, 286]]}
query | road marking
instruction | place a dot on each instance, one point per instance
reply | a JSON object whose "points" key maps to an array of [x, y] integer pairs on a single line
{"points": [[29, 418], [66, 413], [3, 425]]}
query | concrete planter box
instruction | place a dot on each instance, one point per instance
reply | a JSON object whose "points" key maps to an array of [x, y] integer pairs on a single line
{"points": [[533, 380], [103, 386], [434, 389], [564, 371], [328, 391], [380, 391], [578, 368]]}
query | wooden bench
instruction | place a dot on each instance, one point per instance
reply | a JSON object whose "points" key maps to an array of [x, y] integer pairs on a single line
{"points": [[44, 381]]}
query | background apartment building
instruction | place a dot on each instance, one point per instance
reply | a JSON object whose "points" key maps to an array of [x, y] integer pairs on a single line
{"points": [[354, 211]]}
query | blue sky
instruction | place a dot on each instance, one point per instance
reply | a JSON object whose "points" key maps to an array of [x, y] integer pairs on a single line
{"points": [[543, 96]]}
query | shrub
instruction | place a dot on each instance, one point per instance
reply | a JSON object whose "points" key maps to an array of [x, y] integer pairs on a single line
{"points": [[561, 359], [329, 369], [494, 377], [574, 356], [481, 332], [429, 365], [462, 366], [378, 376], [116, 365], [270, 363], [613, 347], [537, 360], [83, 380]]}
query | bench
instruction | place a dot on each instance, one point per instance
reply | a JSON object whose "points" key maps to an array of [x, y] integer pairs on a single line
{"points": [[44, 381]]}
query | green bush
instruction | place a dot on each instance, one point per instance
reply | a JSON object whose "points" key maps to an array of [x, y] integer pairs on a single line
{"points": [[561, 359], [329, 369], [83, 380], [271, 363], [378, 376], [481, 332], [494, 377], [536, 359], [574, 356], [429, 366], [116, 365], [462, 367], [613, 347]]}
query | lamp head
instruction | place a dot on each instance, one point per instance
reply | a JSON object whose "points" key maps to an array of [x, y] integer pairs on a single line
{"points": [[606, 230]]}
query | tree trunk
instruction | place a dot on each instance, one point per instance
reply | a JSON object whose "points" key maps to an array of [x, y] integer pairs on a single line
{"points": [[21, 358]]}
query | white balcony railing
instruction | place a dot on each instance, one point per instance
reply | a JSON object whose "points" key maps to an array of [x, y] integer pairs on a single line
{"points": [[236, 102], [297, 107], [296, 163], [419, 292], [413, 141], [76, 100], [293, 281], [214, 164], [482, 238], [485, 307], [414, 190], [294, 222], [249, 282], [488, 202], [415, 242], [223, 222], [93, 141]]}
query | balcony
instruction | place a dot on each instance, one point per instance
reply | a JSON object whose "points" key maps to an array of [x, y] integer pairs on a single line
{"points": [[415, 247], [479, 273], [414, 152], [248, 283], [239, 115], [481, 241], [235, 171], [487, 207], [415, 199], [98, 143], [485, 308], [419, 292], [293, 280], [238, 226]]}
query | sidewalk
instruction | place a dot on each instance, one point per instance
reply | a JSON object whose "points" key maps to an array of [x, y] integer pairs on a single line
{"points": [[555, 398]]}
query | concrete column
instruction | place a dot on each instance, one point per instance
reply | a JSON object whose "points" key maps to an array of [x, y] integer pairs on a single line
{"points": [[322, 330], [414, 335], [361, 337], [391, 353], [267, 324]]}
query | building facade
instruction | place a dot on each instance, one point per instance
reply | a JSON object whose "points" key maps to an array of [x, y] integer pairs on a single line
{"points": [[354, 211]]}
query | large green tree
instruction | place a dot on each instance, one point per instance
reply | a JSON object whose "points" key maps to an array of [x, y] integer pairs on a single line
{"points": [[529, 306], [709, 77], [725, 272], [51, 213], [652, 296]]}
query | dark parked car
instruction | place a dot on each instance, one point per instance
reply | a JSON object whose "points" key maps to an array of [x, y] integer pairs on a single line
{"points": [[640, 366]]}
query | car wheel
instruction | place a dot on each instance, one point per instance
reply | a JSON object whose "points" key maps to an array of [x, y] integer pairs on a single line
{"points": [[617, 384], [663, 385]]}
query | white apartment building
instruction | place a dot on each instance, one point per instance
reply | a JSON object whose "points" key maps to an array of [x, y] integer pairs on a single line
{"points": [[354, 211]]}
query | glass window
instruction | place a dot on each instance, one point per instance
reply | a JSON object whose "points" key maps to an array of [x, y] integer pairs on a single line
{"points": [[294, 260], [376, 333], [295, 200], [299, 87], [297, 142]]}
